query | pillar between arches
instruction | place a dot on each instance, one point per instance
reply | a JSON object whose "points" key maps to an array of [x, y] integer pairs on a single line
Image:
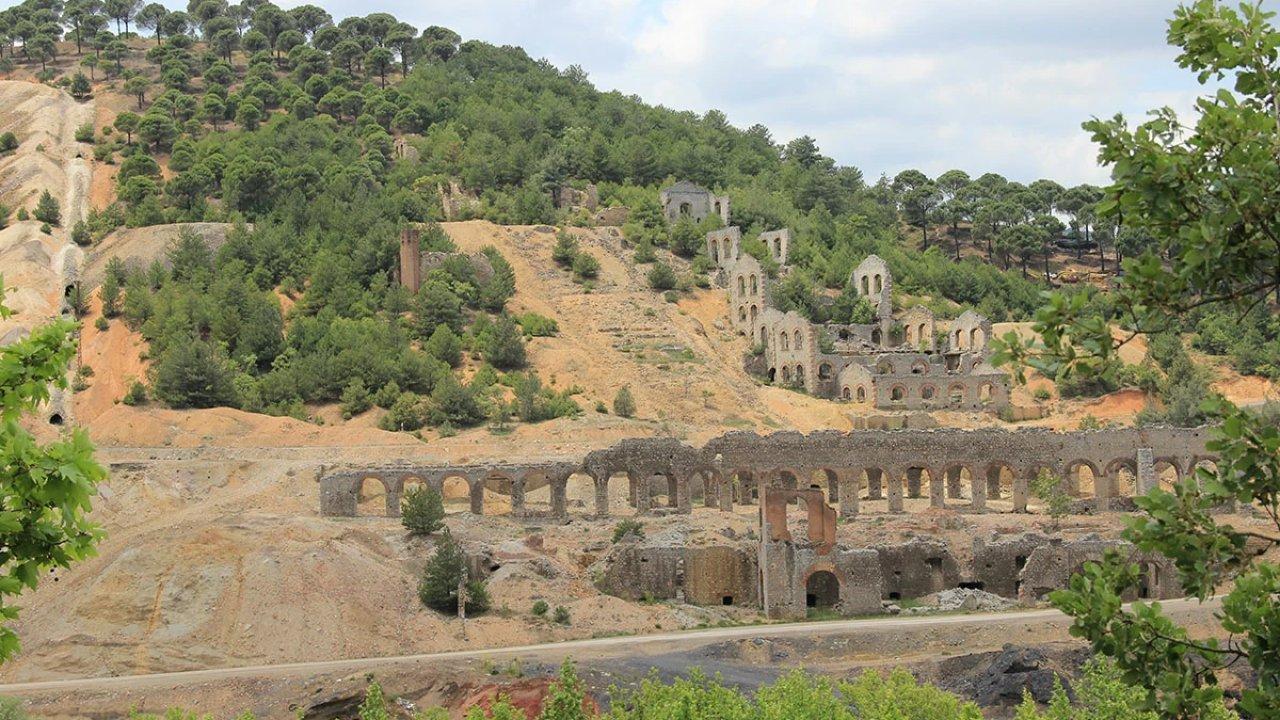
{"points": [[848, 484], [602, 495], [559, 503], [936, 497], [476, 488], [895, 491]]}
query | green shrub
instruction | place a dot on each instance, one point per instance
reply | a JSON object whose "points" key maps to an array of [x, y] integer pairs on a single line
{"points": [[84, 133], [101, 324], [662, 277], [8, 142], [47, 210], [1041, 393], [540, 607], [561, 615], [405, 414], [535, 325], [136, 395], [586, 267], [624, 405], [645, 253], [626, 527], [565, 251]]}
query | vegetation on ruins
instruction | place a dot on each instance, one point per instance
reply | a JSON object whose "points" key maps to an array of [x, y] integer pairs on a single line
{"points": [[1057, 501], [422, 510], [1202, 194], [47, 488]]}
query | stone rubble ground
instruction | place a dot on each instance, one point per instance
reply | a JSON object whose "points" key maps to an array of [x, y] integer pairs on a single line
{"points": [[961, 599]]}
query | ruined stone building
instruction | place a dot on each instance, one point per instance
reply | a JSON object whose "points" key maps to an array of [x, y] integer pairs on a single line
{"points": [[686, 199], [415, 264], [900, 361]]}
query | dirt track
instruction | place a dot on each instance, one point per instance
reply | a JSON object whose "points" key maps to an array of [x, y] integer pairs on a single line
{"points": [[268, 689]]}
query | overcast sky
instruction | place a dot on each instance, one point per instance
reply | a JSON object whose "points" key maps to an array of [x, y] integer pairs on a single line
{"points": [[983, 85]]}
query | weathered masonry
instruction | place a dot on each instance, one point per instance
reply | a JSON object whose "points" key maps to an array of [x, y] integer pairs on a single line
{"points": [[962, 469]]}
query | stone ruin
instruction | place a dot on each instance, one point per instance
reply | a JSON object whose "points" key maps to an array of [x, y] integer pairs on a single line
{"points": [[901, 361], [832, 475], [686, 199], [415, 264], [870, 465]]}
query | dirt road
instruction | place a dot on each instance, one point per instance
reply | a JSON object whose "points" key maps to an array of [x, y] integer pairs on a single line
{"points": [[1013, 627]]}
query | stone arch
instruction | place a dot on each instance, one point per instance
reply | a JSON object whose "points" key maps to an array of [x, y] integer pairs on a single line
{"points": [[884, 367], [755, 285], [773, 374], [786, 374], [1161, 467], [959, 340], [1077, 483], [862, 394], [785, 340], [866, 287], [845, 394], [374, 496], [798, 341], [1121, 478], [928, 393], [755, 312], [742, 313], [976, 338], [799, 374], [879, 283], [824, 372], [898, 394], [957, 478], [999, 481], [686, 208], [956, 394], [821, 589], [455, 490], [919, 367], [923, 336], [742, 285], [875, 336]]}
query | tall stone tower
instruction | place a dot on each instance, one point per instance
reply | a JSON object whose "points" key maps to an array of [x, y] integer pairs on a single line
{"points": [[410, 260]]}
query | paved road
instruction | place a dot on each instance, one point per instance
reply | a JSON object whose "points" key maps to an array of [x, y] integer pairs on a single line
{"points": [[631, 644]]}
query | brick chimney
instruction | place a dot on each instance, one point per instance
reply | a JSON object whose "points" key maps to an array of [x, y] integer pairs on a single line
{"points": [[410, 260]]}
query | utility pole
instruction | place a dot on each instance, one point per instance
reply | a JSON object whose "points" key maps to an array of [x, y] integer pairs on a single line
{"points": [[462, 600]]}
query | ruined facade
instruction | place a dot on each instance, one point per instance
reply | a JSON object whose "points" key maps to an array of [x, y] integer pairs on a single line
{"points": [[686, 199], [899, 361]]}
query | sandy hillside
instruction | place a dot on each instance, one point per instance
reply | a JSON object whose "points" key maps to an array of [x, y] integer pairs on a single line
{"points": [[48, 158]]}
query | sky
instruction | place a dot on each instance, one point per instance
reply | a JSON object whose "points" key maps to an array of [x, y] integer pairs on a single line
{"points": [[884, 85]]}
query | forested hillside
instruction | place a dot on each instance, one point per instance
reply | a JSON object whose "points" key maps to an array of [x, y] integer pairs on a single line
{"points": [[328, 137]]}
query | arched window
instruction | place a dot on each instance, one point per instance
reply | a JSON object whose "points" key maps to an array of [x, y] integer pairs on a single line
{"points": [[927, 392], [686, 208], [754, 311], [924, 335], [879, 284], [742, 313], [975, 336], [777, 248], [862, 394], [884, 367], [845, 393], [726, 254], [909, 335], [956, 394], [742, 285], [824, 373], [715, 252], [786, 374], [984, 393], [800, 374], [764, 337], [959, 339], [754, 285], [897, 393], [865, 290], [919, 367], [799, 341], [875, 336], [786, 340]]}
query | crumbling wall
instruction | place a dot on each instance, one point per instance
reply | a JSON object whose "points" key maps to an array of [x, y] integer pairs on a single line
{"points": [[998, 563], [708, 575], [1050, 567], [916, 569]]}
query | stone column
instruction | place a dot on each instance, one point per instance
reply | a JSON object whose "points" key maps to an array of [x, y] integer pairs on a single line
{"points": [[1020, 482], [913, 482], [517, 497], [681, 498], [875, 486], [559, 504], [979, 500], [725, 488], [477, 496], [640, 487], [895, 490], [834, 491], [1146, 480], [602, 496], [1104, 488], [993, 482], [394, 496], [848, 484], [953, 483], [936, 497], [672, 491]]}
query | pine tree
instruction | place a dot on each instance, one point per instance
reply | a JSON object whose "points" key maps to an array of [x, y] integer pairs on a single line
{"points": [[505, 347], [565, 698], [439, 586], [624, 405], [422, 511], [566, 249], [47, 210]]}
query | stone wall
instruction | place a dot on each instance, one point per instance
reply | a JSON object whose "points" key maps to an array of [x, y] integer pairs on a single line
{"points": [[916, 569]]}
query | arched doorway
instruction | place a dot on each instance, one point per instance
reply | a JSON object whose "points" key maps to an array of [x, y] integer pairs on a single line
{"points": [[821, 590], [371, 497]]}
